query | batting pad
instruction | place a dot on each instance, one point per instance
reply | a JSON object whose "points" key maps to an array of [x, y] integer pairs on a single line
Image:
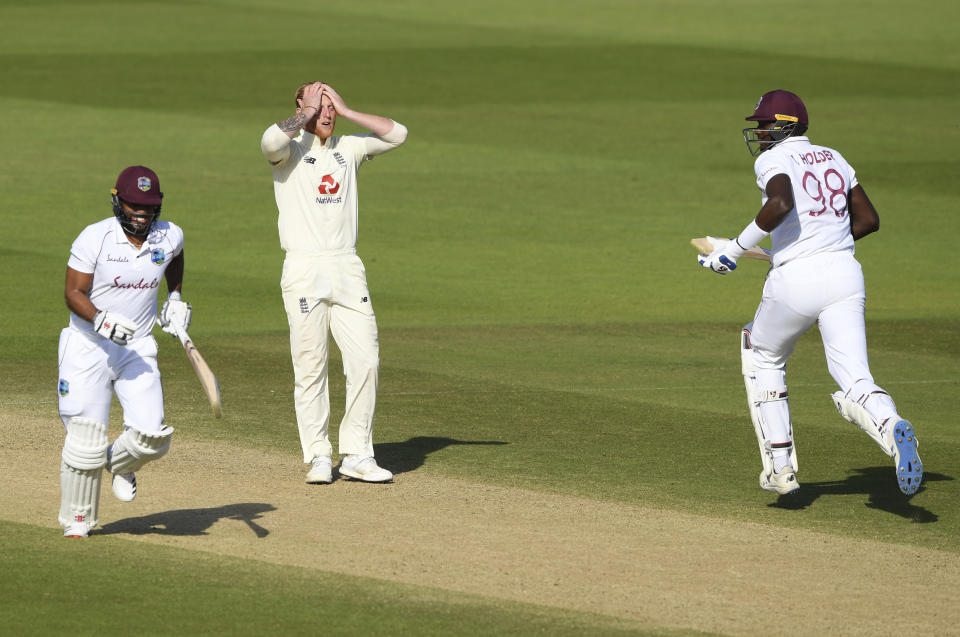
{"points": [[767, 402], [133, 449], [855, 412], [81, 469]]}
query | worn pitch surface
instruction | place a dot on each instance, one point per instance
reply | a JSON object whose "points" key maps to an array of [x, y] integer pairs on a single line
{"points": [[672, 569]]}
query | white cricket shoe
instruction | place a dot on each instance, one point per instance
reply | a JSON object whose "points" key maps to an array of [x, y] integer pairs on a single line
{"points": [[906, 457], [364, 468], [125, 486], [783, 483], [321, 471], [77, 529]]}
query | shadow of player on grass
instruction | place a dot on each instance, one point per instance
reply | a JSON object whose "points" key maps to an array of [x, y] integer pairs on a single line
{"points": [[401, 457], [191, 521], [877, 483]]}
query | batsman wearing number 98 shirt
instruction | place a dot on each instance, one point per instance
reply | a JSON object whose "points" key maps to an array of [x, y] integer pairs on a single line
{"points": [[814, 208], [113, 275], [324, 283]]}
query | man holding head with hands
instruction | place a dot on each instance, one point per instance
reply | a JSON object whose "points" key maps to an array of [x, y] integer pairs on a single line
{"points": [[323, 283]]}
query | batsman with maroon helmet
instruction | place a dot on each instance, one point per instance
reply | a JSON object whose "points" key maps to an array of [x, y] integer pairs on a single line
{"points": [[814, 208], [324, 284], [113, 276]]}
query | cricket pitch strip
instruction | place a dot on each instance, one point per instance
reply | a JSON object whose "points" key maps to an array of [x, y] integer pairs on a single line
{"points": [[659, 567]]}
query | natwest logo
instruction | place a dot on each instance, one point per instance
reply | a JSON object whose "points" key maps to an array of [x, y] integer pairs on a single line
{"points": [[328, 185]]}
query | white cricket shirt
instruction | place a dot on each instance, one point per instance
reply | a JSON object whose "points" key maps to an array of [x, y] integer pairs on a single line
{"points": [[821, 179], [315, 185], [125, 278]]}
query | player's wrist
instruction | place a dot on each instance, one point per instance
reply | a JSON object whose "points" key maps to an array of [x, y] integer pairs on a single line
{"points": [[751, 236], [174, 296]]}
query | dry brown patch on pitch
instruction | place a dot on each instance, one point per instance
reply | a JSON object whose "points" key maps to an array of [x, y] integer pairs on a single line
{"points": [[667, 568]]}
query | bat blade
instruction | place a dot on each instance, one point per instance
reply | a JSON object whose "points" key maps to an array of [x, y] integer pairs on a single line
{"points": [[207, 380], [705, 246]]}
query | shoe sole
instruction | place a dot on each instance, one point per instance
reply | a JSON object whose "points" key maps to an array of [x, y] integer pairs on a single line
{"points": [[780, 492], [318, 480], [359, 476], [909, 467]]}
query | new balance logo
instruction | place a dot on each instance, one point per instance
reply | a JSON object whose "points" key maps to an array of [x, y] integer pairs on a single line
{"points": [[309, 160], [304, 308]]}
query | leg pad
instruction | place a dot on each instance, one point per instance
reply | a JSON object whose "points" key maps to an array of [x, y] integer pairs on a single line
{"points": [[769, 409], [133, 449], [81, 470], [855, 412]]}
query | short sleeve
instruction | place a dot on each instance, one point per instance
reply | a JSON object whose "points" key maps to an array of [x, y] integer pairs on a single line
{"points": [[767, 166], [83, 253]]}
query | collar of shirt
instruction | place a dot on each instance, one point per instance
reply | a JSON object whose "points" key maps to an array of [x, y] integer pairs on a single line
{"points": [[312, 142], [120, 237], [799, 138]]}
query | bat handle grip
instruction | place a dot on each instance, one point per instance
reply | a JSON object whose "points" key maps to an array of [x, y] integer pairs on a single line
{"points": [[182, 335]]}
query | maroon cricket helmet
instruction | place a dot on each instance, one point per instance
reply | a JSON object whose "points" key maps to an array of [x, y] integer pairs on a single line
{"points": [[779, 106], [139, 185]]}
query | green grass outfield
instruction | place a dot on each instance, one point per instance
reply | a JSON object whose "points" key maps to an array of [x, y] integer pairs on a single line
{"points": [[526, 252]]}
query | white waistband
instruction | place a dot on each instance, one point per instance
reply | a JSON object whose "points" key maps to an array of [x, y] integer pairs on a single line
{"points": [[300, 254]]}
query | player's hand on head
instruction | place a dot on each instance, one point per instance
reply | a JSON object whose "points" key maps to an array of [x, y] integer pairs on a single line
{"points": [[175, 316], [311, 95], [335, 99], [114, 327]]}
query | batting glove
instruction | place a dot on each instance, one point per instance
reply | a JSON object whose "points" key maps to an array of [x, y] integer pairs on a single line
{"points": [[114, 327], [175, 315], [723, 259]]}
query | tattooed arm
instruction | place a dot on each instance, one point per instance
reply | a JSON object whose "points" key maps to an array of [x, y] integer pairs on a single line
{"points": [[311, 100], [275, 142]]}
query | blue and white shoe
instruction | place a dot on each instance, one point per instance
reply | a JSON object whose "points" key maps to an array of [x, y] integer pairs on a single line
{"points": [[906, 457]]}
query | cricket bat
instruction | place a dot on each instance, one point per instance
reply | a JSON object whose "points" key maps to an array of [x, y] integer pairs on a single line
{"points": [[207, 380], [705, 246]]}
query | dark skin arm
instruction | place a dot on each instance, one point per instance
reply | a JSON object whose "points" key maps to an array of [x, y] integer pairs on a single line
{"points": [[174, 274], [77, 294], [863, 216], [779, 203]]}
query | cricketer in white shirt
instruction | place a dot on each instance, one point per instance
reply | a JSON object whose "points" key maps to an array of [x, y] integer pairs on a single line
{"points": [[112, 279], [323, 283], [821, 179], [814, 208], [126, 279]]}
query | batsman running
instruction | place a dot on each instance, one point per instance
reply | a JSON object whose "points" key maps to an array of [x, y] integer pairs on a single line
{"points": [[324, 284], [814, 208], [113, 275]]}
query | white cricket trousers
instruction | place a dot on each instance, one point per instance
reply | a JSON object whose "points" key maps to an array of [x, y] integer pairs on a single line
{"points": [[826, 289], [92, 368], [323, 294]]}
